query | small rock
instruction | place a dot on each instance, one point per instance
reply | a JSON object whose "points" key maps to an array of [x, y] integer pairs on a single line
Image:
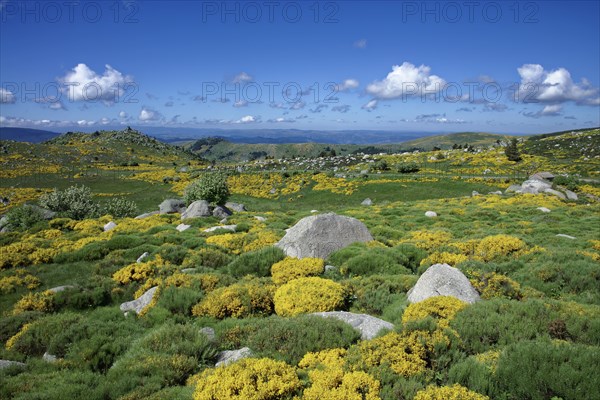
{"points": [[60, 288], [237, 207], [498, 192], [171, 206], [571, 195], [8, 364], [140, 303], [367, 202], [183, 227], [49, 357], [544, 209], [475, 193], [110, 226], [330, 268], [223, 221], [314, 211], [367, 325], [229, 356], [189, 270], [430, 214], [556, 193], [260, 219], [208, 332], [141, 258], [146, 215], [566, 236], [221, 212], [231, 228]]}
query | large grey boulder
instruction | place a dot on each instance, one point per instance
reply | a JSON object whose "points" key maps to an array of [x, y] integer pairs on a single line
{"points": [[229, 356], [367, 325], [199, 208], [237, 207], [443, 280], [9, 363], [140, 303], [534, 186], [171, 206], [221, 212], [320, 235]]}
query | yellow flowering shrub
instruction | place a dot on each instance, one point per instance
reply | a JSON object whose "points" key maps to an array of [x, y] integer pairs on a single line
{"points": [[19, 277], [442, 308], [491, 284], [406, 355], [248, 379], [10, 343], [139, 272], [594, 191], [311, 294], [330, 381], [40, 301], [500, 245], [237, 300], [292, 268], [334, 185], [89, 226], [430, 240], [264, 238], [152, 303], [232, 242], [454, 392], [489, 359], [16, 254], [444, 258]]}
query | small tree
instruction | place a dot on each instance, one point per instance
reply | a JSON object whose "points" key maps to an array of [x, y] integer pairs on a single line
{"points": [[74, 202], [23, 217], [512, 151], [211, 187]]}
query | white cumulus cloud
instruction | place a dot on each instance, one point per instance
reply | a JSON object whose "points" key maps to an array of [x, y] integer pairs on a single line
{"points": [[406, 80], [148, 114], [6, 96], [348, 84], [84, 84], [370, 106], [557, 86], [242, 77]]}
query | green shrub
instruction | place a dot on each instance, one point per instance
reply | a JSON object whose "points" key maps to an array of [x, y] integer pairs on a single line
{"points": [[57, 384], [211, 187], [173, 253], [96, 292], [289, 339], [569, 182], [540, 370], [257, 262], [372, 294], [179, 300], [74, 202], [34, 339], [408, 167], [23, 217], [11, 324], [119, 207]]}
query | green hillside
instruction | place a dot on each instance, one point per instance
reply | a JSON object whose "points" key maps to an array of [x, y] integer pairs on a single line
{"points": [[476, 139]]}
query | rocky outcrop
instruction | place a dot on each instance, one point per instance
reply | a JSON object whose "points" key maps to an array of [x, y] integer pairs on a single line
{"points": [[367, 325], [443, 280]]}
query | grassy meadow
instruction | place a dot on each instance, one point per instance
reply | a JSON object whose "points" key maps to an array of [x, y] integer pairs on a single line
{"points": [[534, 335]]}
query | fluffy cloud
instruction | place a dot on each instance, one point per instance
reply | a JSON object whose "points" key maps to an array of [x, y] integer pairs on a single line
{"points": [[6, 96], [148, 114], [281, 119], [242, 77], [555, 86], [406, 80], [361, 44], [247, 119], [240, 103], [83, 84], [348, 84], [370, 106], [551, 110]]}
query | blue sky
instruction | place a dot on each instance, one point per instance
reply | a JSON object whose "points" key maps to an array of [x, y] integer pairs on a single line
{"points": [[509, 67]]}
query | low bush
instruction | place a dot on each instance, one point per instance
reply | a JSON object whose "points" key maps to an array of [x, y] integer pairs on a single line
{"points": [[211, 187], [293, 268], [305, 295], [23, 217], [372, 294], [257, 262], [359, 260], [119, 207], [74, 202], [448, 393]]}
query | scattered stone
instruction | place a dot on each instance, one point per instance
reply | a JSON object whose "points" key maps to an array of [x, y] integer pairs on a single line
{"points": [[475, 193], [320, 235], [443, 280], [513, 188], [314, 211], [430, 214], [237, 207], [60, 288], [199, 208], [8, 364], [272, 191], [566, 236], [367, 202], [498, 192], [171, 206], [183, 227], [208, 332], [223, 221], [49, 357], [231, 228], [534, 186], [140, 303], [141, 258], [367, 325], [556, 193], [364, 172], [330, 268], [221, 212], [544, 209], [260, 219], [542, 176], [3, 221], [571, 195], [110, 226], [146, 215], [189, 270], [230, 356]]}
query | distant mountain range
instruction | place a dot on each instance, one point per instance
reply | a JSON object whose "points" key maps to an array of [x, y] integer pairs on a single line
{"points": [[26, 134]]}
